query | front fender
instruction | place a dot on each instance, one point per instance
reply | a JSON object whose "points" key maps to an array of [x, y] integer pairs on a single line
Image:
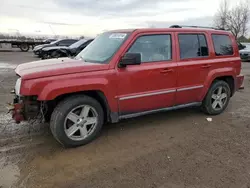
{"points": [[60, 87], [214, 74]]}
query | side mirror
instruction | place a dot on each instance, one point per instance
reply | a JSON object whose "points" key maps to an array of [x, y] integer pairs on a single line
{"points": [[130, 59]]}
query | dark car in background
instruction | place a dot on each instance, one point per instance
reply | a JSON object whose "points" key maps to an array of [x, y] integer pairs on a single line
{"points": [[241, 46], [48, 41], [245, 53], [60, 42], [64, 51]]}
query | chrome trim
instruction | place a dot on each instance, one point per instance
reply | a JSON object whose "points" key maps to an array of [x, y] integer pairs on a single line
{"points": [[159, 110], [190, 88], [160, 92], [147, 94]]}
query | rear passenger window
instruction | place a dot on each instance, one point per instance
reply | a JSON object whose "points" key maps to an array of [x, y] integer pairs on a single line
{"points": [[193, 46], [222, 45]]}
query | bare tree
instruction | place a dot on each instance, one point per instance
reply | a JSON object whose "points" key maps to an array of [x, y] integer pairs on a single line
{"points": [[235, 19], [220, 20], [238, 19]]}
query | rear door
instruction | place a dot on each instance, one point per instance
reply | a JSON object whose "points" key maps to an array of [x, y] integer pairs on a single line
{"points": [[193, 57]]}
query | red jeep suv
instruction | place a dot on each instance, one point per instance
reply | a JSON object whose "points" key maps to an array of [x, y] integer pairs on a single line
{"points": [[128, 73]]}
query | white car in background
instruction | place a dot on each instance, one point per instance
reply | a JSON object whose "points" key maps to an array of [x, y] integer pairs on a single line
{"points": [[245, 53]]}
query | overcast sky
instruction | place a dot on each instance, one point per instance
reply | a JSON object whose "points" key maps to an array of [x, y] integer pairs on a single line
{"points": [[90, 17]]}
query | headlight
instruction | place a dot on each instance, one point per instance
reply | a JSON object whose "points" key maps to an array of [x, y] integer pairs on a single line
{"points": [[18, 86]]}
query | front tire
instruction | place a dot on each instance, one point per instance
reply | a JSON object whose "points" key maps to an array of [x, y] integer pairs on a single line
{"points": [[217, 98], [55, 54], [77, 120], [44, 56]]}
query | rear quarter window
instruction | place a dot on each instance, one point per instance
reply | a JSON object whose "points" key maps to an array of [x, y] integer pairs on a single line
{"points": [[223, 45]]}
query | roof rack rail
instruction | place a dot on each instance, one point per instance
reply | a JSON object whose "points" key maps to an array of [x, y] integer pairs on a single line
{"points": [[193, 26]]}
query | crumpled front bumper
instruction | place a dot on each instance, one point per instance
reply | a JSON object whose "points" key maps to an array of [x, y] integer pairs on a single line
{"points": [[17, 110], [24, 108], [17, 113]]}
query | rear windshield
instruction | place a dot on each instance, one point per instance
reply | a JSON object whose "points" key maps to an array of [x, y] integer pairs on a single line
{"points": [[78, 43], [56, 41]]}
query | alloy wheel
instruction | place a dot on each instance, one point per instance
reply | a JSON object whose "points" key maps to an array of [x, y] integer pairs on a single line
{"points": [[80, 122], [219, 98]]}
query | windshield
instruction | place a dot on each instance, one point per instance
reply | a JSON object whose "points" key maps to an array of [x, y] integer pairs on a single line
{"points": [[78, 43], [51, 41], [102, 48], [54, 42]]}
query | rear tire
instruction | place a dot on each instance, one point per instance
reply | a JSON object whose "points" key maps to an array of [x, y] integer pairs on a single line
{"points": [[71, 127], [217, 98], [24, 47]]}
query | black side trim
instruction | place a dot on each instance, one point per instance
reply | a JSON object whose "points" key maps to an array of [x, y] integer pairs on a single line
{"points": [[114, 117], [159, 110]]}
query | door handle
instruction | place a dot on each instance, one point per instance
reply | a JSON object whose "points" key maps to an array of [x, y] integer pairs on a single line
{"points": [[164, 71], [205, 66]]}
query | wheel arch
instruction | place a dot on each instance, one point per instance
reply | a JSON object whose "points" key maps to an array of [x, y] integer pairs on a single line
{"points": [[96, 94], [229, 79]]}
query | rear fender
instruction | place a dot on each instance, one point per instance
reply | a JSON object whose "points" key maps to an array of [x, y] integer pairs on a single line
{"points": [[214, 74]]}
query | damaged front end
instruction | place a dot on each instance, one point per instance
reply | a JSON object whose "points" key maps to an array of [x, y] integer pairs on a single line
{"points": [[25, 108]]}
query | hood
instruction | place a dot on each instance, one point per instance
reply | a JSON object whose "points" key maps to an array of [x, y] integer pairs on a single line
{"points": [[43, 46], [40, 46], [55, 67], [55, 48]]}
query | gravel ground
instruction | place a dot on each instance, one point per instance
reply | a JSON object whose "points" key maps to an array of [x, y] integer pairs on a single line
{"points": [[166, 150]]}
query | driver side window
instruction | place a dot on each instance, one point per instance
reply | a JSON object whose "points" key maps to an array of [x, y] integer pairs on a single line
{"points": [[153, 48]]}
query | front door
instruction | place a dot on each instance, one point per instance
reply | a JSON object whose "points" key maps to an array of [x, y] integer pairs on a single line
{"points": [[151, 85]]}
